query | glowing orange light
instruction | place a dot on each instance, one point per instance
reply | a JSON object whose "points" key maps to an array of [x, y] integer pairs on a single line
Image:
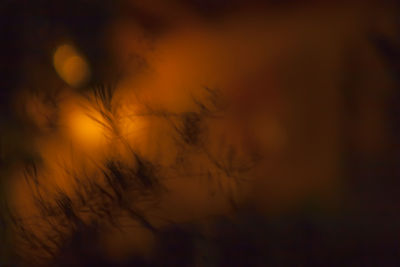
{"points": [[84, 129], [71, 66]]}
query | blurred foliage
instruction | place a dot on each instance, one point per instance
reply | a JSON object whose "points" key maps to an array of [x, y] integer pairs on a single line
{"points": [[362, 231]]}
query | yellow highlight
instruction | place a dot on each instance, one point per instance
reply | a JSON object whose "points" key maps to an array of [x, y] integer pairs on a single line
{"points": [[71, 66], [84, 129]]}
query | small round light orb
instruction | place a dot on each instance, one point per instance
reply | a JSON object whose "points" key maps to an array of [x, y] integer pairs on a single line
{"points": [[71, 66]]}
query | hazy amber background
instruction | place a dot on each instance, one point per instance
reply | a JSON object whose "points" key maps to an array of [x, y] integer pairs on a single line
{"points": [[307, 88]]}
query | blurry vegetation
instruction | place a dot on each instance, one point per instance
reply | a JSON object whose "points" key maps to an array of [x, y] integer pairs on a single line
{"points": [[119, 187]]}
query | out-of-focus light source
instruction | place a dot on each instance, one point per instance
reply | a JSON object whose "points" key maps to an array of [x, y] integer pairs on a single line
{"points": [[84, 130], [71, 66]]}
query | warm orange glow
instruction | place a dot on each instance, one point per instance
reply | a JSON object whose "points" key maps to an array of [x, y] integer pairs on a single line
{"points": [[84, 129], [71, 66]]}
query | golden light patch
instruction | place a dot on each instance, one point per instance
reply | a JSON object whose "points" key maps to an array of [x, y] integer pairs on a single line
{"points": [[71, 66], [85, 128]]}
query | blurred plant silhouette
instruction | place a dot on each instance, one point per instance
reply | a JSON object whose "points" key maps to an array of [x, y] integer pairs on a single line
{"points": [[59, 205]]}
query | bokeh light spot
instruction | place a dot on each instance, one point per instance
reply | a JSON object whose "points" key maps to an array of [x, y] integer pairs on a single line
{"points": [[84, 129], [71, 66]]}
